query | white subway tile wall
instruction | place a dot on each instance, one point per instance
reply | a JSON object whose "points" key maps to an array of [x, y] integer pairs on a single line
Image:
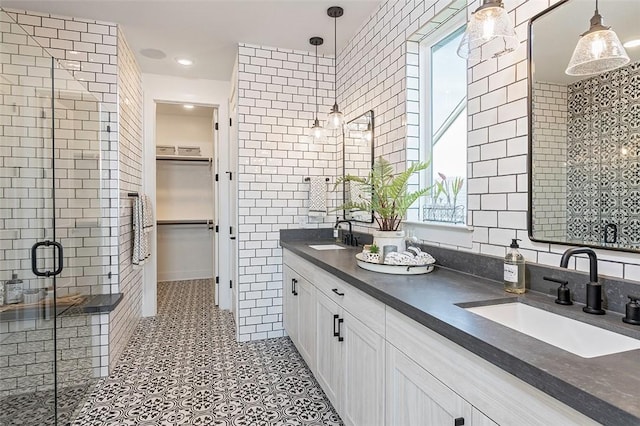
{"points": [[124, 318], [276, 107], [26, 352], [549, 207], [375, 71]]}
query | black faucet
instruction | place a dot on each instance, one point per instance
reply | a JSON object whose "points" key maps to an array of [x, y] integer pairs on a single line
{"points": [[594, 289], [349, 239]]}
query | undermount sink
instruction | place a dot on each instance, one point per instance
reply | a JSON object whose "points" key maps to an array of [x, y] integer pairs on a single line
{"points": [[326, 247], [581, 339]]}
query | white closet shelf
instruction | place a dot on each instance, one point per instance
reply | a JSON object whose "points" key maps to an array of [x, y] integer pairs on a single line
{"points": [[184, 158], [185, 222]]}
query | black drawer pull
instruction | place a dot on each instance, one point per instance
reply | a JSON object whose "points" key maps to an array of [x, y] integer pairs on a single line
{"points": [[294, 286], [336, 330], [340, 338], [458, 422], [335, 290]]}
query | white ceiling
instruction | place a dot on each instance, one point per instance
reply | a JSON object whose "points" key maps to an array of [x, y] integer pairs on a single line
{"points": [[556, 34], [208, 31]]}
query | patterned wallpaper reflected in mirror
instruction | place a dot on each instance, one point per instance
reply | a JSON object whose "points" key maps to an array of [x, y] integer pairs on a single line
{"points": [[584, 143]]}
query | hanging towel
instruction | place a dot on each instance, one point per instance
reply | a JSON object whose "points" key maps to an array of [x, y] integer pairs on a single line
{"points": [[138, 233], [147, 226], [317, 197], [142, 221], [356, 192]]}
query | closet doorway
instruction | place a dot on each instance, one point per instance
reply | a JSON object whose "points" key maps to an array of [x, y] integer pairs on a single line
{"points": [[186, 192]]}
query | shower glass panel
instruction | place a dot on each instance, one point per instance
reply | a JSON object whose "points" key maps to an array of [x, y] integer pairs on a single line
{"points": [[54, 241]]}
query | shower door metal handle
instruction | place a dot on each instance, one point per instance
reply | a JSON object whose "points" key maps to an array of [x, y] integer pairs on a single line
{"points": [[34, 258]]}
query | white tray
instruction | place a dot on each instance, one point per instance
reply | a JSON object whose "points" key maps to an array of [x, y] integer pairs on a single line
{"points": [[393, 269]]}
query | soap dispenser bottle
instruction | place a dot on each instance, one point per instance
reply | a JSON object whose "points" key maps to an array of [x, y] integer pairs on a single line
{"points": [[514, 269]]}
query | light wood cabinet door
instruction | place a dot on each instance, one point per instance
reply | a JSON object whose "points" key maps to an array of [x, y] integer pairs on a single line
{"points": [[329, 358], [290, 304], [364, 364], [306, 299], [479, 419], [416, 398]]}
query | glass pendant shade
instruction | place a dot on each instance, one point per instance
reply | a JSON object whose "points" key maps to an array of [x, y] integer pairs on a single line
{"points": [[317, 132], [335, 119], [598, 50], [489, 33]]}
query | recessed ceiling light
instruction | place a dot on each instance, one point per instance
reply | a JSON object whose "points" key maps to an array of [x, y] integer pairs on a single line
{"points": [[184, 61], [188, 106], [632, 43]]}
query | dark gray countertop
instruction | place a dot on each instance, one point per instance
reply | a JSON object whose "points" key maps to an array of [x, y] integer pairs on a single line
{"points": [[605, 388], [100, 303]]}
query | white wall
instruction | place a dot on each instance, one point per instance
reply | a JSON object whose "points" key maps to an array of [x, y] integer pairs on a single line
{"points": [[183, 130], [175, 89]]}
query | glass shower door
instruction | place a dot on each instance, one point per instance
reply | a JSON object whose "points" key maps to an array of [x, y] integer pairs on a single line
{"points": [[55, 246], [30, 257]]}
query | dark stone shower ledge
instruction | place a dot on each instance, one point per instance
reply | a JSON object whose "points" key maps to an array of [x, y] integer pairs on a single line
{"points": [[96, 304]]}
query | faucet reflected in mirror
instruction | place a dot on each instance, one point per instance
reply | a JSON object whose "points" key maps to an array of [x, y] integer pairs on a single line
{"points": [[584, 134]]}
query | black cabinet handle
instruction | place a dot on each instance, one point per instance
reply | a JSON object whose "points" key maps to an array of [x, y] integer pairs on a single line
{"points": [[335, 290], [458, 422], [336, 329], [340, 338], [34, 258], [294, 286]]}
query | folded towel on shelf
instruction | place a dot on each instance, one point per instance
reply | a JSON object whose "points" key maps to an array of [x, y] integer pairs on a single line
{"points": [[317, 197], [142, 221]]}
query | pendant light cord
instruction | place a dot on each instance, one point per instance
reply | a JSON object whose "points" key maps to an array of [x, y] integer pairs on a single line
{"points": [[335, 58], [316, 71]]}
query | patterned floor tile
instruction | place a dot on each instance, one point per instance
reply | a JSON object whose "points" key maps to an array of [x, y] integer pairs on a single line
{"points": [[184, 367]]}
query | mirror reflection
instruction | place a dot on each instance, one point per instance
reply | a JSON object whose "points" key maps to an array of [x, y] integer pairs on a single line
{"points": [[357, 161], [584, 129]]}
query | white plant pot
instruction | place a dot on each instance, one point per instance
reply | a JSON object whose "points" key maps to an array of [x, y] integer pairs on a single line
{"points": [[389, 238]]}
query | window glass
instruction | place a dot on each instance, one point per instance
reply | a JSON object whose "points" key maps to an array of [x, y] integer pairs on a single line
{"points": [[444, 121]]}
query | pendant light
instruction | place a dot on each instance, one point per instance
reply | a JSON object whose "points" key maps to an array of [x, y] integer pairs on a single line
{"points": [[317, 131], [489, 33], [335, 118], [598, 50]]}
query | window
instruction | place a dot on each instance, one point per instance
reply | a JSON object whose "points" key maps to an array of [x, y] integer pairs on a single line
{"points": [[443, 124]]}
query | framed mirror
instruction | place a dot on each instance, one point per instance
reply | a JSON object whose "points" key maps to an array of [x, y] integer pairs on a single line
{"points": [[357, 160], [584, 131]]}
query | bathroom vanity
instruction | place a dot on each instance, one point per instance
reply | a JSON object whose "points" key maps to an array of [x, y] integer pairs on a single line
{"points": [[402, 350]]}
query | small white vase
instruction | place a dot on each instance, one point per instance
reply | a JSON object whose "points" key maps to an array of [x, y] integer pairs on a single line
{"points": [[389, 238], [373, 257]]}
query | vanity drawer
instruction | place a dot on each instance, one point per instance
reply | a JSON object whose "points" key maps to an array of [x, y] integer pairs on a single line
{"points": [[359, 304]]}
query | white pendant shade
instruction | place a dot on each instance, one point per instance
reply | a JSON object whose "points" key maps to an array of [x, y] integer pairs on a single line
{"points": [[489, 33], [597, 52]]}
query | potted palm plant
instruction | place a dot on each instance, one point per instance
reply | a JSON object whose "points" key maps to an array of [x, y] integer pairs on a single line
{"points": [[389, 199]]}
